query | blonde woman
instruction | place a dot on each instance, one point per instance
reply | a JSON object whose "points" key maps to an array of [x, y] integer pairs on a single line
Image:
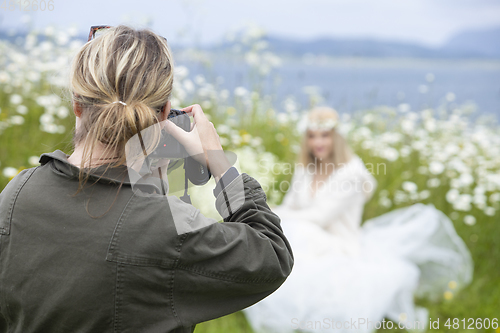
{"points": [[83, 251], [349, 277]]}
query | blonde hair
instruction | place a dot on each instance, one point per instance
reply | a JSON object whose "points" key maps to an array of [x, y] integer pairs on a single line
{"points": [[341, 152], [121, 80]]}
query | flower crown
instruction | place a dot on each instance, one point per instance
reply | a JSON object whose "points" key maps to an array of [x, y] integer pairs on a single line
{"points": [[322, 125], [305, 123]]}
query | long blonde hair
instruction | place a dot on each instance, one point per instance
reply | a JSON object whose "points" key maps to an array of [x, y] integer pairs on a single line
{"points": [[341, 151], [121, 80]]}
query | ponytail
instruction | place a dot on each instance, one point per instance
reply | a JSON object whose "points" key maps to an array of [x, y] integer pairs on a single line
{"points": [[121, 81]]}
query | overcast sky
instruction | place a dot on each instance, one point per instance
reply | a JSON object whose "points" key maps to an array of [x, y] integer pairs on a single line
{"points": [[428, 22]]}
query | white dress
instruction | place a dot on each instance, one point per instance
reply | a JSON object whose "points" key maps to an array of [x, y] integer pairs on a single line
{"points": [[348, 277]]}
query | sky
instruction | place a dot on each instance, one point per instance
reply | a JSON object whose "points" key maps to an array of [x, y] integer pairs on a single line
{"points": [[202, 22]]}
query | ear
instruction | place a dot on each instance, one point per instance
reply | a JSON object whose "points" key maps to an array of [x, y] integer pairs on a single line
{"points": [[165, 112], [77, 109]]}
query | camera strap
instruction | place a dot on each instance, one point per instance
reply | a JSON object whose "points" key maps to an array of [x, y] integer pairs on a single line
{"points": [[185, 197]]}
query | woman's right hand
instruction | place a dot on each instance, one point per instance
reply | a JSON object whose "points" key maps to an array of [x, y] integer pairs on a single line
{"points": [[202, 142]]}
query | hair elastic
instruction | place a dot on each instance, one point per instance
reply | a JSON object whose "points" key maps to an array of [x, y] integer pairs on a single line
{"points": [[122, 103]]}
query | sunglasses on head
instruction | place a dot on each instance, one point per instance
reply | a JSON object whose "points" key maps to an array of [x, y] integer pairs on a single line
{"points": [[96, 30]]}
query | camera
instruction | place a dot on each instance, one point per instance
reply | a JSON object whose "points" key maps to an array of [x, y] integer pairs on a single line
{"points": [[170, 148]]}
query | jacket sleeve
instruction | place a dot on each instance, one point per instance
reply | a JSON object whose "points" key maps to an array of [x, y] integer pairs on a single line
{"points": [[226, 267]]}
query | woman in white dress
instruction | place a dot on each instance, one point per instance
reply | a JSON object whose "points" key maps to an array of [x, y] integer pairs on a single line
{"points": [[349, 277]]}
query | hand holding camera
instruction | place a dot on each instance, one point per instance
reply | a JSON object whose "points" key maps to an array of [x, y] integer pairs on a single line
{"points": [[201, 142]]}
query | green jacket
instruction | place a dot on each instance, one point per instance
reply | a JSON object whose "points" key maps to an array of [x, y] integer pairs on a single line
{"points": [[135, 269]]}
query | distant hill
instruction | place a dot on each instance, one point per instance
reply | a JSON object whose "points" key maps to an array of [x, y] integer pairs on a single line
{"points": [[357, 47], [467, 44], [486, 42]]}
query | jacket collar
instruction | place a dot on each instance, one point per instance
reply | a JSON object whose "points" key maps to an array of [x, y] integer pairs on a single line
{"points": [[58, 160]]}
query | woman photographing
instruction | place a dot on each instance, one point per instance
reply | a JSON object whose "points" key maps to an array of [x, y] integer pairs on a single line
{"points": [[81, 251]]}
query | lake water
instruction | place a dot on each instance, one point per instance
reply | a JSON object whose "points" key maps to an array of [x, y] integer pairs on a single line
{"points": [[351, 84]]}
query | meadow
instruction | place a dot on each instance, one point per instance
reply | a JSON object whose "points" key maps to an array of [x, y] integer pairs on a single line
{"points": [[437, 156]]}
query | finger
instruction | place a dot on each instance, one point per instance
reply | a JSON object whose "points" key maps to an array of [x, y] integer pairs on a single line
{"points": [[178, 133], [188, 109], [196, 111]]}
